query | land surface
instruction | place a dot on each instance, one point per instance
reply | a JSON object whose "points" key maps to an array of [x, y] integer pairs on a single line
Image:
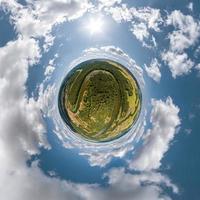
{"points": [[100, 100]]}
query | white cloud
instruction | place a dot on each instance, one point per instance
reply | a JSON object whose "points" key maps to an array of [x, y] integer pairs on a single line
{"points": [[185, 35], [20, 117], [128, 186], [109, 3], [197, 52], [164, 119], [179, 63], [143, 20], [153, 70], [198, 67], [30, 183], [49, 70], [38, 17], [190, 6], [120, 13], [150, 16], [140, 31], [22, 128]]}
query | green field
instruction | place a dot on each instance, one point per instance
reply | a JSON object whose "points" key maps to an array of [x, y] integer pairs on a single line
{"points": [[101, 100]]}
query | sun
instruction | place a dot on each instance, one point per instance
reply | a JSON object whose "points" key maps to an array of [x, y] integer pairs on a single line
{"points": [[95, 25]]}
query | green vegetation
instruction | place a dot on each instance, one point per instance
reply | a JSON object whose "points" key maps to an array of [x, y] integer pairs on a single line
{"points": [[100, 100]]}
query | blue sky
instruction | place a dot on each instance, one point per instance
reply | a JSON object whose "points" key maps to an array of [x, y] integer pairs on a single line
{"points": [[39, 40]]}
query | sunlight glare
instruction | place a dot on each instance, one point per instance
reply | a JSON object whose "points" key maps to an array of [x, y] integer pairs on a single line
{"points": [[95, 25]]}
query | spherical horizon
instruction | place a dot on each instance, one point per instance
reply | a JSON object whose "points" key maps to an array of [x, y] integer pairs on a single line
{"points": [[99, 100]]}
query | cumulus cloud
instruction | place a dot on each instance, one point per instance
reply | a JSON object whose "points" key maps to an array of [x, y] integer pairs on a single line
{"points": [[179, 63], [150, 16], [190, 6], [109, 3], [49, 70], [129, 186], [120, 13], [31, 183], [143, 20], [153, 70], [38, 17], [22, 127], [198, 67], [20, 117], [185, 35], [140, 31], [164, 119]]}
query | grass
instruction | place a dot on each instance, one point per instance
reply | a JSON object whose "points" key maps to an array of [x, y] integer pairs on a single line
{"points": [[101, 100]]}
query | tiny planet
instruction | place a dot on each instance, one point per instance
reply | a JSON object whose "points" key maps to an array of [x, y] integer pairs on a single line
{"points": [[99, 100]]}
